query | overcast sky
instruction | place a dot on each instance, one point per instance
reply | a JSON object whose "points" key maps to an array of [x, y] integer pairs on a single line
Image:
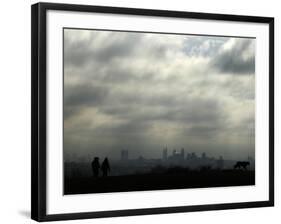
{"points": [[144, 91]]}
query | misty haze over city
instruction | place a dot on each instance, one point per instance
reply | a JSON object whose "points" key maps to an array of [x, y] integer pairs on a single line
{"points": [[144, 92]]}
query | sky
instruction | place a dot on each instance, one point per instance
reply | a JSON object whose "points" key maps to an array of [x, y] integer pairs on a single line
{"points": [[145, 91]]}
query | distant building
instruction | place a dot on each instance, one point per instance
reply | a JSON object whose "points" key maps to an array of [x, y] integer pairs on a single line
{"points": [[165, 154], [124, 155], [177, 156], [182, 153], [203, 156], [193, 155]]}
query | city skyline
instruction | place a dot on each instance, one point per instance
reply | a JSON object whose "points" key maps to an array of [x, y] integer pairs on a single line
{"points": [[177, 159], [164, 152]]}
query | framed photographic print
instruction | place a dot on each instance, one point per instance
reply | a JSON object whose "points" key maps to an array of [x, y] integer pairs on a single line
{"points": [[140, 111]]}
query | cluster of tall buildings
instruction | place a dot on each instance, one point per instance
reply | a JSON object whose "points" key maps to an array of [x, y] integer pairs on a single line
{"points": [[176, 155], [170, 158], [178, 158]]}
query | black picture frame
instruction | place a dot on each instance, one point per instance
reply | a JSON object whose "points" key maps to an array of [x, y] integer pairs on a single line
{"points": [[39, 107]]}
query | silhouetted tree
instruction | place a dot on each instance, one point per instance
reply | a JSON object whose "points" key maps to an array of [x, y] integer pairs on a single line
{"points": [[96, 166], [105, 168]]}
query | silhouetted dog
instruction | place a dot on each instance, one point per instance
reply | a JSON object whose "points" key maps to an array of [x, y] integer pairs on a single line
{"points": [[241, 164]]}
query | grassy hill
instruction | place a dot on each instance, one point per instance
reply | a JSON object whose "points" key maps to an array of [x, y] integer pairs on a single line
{"points": [[160, 181]]}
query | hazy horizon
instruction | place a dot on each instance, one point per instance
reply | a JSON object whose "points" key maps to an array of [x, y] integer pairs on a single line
{"points": [[143, 91]]}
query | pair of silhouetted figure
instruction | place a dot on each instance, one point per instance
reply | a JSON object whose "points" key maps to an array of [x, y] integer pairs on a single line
{"points": [[105, 168]]}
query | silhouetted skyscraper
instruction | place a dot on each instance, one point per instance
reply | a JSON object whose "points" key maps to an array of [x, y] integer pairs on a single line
{"points": [[203, 156], [182, 153], [165, 154], [124, 155], [193, 155]]}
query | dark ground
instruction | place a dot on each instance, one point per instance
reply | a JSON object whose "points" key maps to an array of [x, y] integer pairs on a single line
{"points": [[154, 181]]}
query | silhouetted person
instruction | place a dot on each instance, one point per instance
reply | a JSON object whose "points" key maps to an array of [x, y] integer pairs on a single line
{"points": [[105, 168], [96, 166]]}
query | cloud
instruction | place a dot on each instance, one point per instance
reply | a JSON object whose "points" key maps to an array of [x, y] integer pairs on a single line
{"points": [[78, 96], [97, 46], [85, 94], [205, 46], [237, 57], [142, 91]]}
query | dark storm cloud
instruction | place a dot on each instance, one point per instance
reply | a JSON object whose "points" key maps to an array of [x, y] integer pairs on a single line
{"points": [[203, 131], [85, 94], [69, 111], [114, 45], [130, 129], [83, 51], [179, 114], [78, 96], [109, 74], [239, 59], [162, 107]]}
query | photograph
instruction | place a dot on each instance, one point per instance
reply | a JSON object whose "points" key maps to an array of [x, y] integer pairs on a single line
{"points": [[146, 111], [139, 111]]}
